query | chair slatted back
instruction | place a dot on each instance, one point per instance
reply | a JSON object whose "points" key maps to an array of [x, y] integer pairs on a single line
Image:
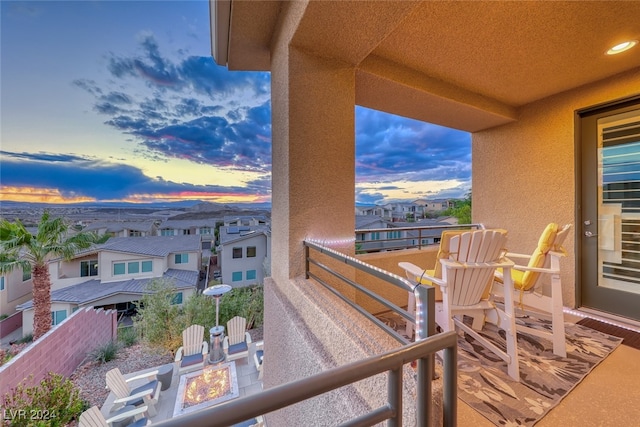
{"points": [[92, 417], [236, 329], [192, 339], [480, 249], [117, 383]]}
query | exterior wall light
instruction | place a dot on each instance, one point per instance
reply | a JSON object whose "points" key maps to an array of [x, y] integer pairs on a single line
{"points": [[621, 47]]}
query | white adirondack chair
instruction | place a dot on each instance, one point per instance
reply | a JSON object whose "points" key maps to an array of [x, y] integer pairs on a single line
{"points": [[467, 272], [146, 394], [542, 265], [193, 352], [236, 344], [92, 417]]}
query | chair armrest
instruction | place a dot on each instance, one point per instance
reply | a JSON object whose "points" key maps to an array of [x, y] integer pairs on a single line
{"points": [[536, 269], [225, 343], [259, 345], [247, 338], [179, 354], [126, 414], [517, 255], [411, 269], [138, 395], [435, 280], [152, 375], [205, 347]]}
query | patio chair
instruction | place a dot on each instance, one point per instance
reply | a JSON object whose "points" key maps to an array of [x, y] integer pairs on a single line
{"points": [[417, 275], [258, 358], [92, 417], [543, 264], [236, 344], [146, 394], [471, 264], [193, 352]]}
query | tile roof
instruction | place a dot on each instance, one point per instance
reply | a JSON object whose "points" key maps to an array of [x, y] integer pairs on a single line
{"points": [[93, 290], [152, 245]]}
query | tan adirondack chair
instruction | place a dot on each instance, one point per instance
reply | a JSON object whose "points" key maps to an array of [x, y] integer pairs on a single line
{"points": [[193, 352], [92, 417], [146, 394], [473, 258], [236, 344], [542, 265]]}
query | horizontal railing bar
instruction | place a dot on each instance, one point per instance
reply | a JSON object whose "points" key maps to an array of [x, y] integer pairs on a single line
{"points": [[365, 291], [372, 418], [389, 330], [272, 399], [374, 271]]}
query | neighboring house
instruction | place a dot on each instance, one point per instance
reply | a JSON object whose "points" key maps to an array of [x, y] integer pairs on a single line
{"points": [[246, 220], [434, 205], [15, 289], [243, 253], [381, 211], [122, 228], [205, 228], [115, 273]]}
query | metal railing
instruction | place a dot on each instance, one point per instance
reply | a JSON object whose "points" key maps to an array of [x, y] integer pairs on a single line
{"points": [[410, 237], [284, 395]]}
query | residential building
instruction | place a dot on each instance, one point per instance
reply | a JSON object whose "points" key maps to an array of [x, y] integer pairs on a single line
{"points": [[245, 220], [15, 289], [243, 253], [116, 273], [123, 228], [532, 83]]}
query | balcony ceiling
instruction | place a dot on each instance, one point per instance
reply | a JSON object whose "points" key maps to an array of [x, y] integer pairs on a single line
{"points": [[467, 65]]}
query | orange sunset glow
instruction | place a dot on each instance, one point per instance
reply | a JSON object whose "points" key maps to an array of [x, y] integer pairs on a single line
{"points": [[39, 195]]}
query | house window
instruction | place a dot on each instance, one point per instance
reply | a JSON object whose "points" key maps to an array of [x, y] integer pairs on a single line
{"points": [[2, 283], [147, 266], [251, 251], [118, 268], [166, 232], [89, 268], [182, 258], [251, 275], [186, 232], [58, 316], [177, 298], [237, 252], [26, 274], [135, 233], [236, 276], [205, 230], [375, 236], [133, 267]]}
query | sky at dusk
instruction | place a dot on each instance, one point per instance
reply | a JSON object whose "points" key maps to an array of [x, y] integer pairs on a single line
{"points": [[122, 101]]}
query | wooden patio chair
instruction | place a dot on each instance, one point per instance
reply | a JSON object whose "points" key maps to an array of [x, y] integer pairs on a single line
{"points": [[146, 394], [193, 352], [236, 344], [542, 265], [473, 258], [92, 417]]}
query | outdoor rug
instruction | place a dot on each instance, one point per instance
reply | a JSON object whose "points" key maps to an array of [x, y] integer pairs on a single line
{"points": [[630, 338], [545, 379]]}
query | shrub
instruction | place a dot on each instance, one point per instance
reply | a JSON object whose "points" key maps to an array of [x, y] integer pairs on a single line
{"points": [[127, 336], [25, 339], [54, 402], [106, 352]]}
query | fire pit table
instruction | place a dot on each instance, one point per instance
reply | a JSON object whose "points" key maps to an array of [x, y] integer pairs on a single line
{"points": [[207, 387]]}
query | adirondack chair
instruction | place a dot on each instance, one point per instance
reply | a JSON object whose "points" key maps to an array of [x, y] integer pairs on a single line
{"points": [[417, 275], [470, 266], [193, 352], [543, 264], [92, 417], [146, 394], [236, 344]]}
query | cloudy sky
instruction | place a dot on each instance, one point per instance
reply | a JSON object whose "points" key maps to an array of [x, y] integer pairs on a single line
{"points": [[122, 101]]}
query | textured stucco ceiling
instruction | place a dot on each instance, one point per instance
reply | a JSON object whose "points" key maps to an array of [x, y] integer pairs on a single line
{"points": [[467, 65]]}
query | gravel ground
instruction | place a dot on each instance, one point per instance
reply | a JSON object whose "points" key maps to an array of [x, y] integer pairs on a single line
{"points": [[90, 376]]}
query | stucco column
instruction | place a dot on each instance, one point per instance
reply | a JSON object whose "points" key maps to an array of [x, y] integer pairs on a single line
{"points": [[313, 101]]}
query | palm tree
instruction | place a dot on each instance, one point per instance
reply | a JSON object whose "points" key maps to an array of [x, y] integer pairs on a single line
{"points": [[20, 249]]}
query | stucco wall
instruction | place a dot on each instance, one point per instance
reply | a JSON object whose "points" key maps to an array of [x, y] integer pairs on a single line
{"points": [[524, 172], [308, 330]]}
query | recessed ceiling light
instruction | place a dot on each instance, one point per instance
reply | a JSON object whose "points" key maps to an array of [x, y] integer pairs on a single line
{"points": [[621, 47]]}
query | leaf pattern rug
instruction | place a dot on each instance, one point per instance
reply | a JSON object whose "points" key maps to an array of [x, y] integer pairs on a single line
{"points": [[483, 382]]}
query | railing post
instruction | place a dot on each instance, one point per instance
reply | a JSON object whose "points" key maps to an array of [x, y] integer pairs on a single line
{"points": [[306, 261], [394, 391], [425, 327]]}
